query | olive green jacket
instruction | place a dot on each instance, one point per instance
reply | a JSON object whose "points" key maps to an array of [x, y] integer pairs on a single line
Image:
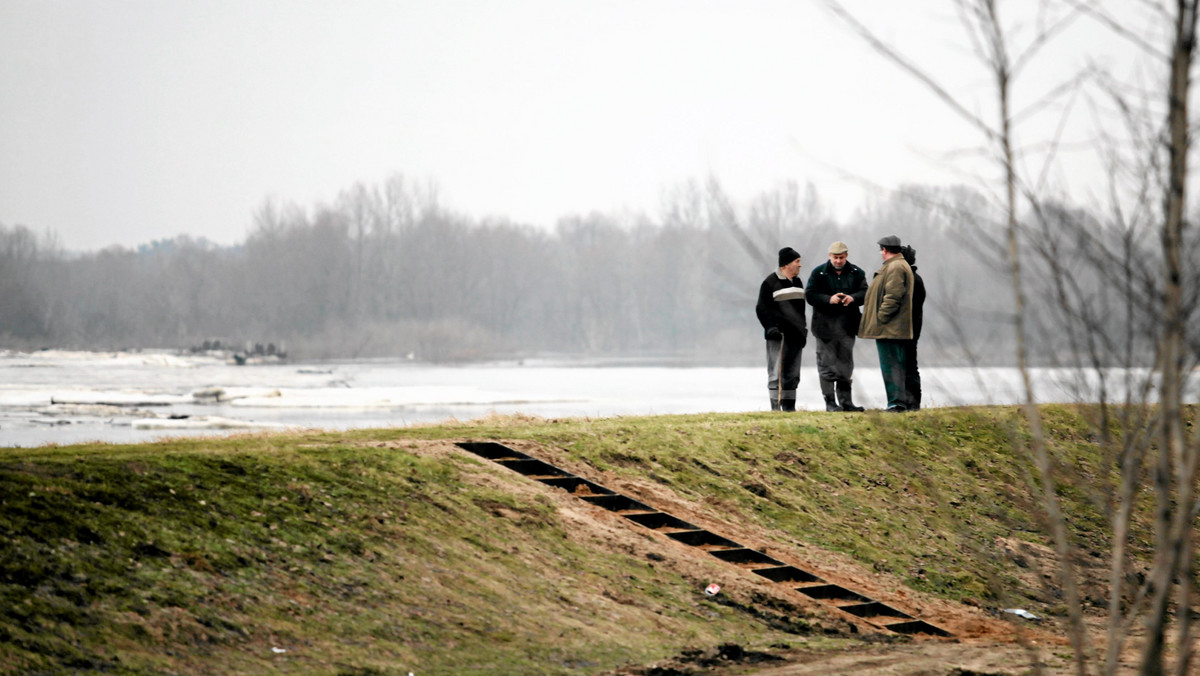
{"points": [[887, 310]]}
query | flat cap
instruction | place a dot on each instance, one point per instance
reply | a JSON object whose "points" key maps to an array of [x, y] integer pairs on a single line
{"points": [[838, 248], [890, 240]]}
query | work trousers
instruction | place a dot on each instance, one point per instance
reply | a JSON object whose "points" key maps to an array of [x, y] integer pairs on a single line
{"points": [[893, 360], [912, 378], [835, 357], [783, 371]]}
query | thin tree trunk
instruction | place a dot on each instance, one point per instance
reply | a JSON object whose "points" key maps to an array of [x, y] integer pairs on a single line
{"points": [[1041, 454], [1173, 469]]}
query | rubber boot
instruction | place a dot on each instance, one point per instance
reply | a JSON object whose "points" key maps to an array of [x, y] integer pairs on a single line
{"points": [[789, 405], [827, 390], [774, 403], [846, 397]]}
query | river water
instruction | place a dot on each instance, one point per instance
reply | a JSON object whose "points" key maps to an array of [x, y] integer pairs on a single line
{"points": [[61, 397]]}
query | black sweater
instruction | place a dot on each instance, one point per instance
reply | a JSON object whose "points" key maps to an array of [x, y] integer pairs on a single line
{"points": [[781, 305]]}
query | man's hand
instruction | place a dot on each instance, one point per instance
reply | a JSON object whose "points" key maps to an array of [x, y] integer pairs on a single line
{"points": [[838, 299]]}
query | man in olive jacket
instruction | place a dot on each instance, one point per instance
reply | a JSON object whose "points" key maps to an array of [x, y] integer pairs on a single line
{"points": [[835, 290], [888, 318]]}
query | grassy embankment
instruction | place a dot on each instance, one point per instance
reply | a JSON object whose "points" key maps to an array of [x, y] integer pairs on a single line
{"points": [[213, 556]]}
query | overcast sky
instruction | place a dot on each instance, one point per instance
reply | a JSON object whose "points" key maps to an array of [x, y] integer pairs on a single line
{"points": [[125, 121]]}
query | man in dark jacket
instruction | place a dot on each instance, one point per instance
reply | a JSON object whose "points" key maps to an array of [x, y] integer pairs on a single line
{"points": [[780, 310], [836, 290], [912, 376]]}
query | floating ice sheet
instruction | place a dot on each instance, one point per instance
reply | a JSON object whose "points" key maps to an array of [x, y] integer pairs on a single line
{"points": [[110, 398], [204, 423], [386, 397]]}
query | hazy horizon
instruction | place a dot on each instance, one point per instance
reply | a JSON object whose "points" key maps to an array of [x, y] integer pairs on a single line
{"points": [[125, 123]]}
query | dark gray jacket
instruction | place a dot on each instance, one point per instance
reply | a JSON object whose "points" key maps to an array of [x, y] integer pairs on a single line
{"points": [[823, 283]]}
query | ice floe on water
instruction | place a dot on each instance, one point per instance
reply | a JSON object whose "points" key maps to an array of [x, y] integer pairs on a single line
{"points": [[384, 397], [57, 396], [205, 422], [68, 358], [110, 398]]}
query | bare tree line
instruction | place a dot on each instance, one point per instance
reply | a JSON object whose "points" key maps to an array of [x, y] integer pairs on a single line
{"points": [[387, 271]]}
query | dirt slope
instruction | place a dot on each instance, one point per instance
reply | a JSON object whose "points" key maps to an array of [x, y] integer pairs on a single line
{"points": [[983, 642]]}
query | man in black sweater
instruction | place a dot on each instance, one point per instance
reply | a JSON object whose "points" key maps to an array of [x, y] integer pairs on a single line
{"points": [[781, 312], [836, 290]]}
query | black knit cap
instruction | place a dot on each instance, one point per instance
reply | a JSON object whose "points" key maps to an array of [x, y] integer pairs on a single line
{"points": [[786, 255]]}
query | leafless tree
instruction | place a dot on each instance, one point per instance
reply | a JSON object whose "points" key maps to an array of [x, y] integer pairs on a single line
{"points": [[1154, 437]]}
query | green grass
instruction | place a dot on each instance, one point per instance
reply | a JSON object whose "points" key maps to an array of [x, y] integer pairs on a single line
{"points": [[202, 556]]}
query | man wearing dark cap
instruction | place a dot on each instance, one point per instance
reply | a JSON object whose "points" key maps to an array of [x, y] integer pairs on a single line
{"points": [[887, 317], [912, 374], [780, 310], [835, 291]]}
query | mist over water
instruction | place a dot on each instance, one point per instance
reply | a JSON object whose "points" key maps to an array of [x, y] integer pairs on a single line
{"points": [[61, 397]]}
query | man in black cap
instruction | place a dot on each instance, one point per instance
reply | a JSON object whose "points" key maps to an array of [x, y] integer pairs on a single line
{"points": [[780, 310], [888, 318], [835, 290]]}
